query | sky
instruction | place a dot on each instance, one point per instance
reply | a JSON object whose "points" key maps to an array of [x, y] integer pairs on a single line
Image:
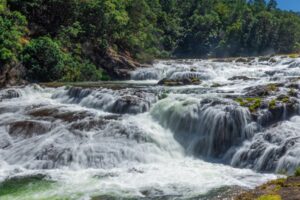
{"points": [[289, 5]]}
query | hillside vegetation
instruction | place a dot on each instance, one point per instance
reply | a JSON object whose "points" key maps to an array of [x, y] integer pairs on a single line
{"points": [[79, 40]]}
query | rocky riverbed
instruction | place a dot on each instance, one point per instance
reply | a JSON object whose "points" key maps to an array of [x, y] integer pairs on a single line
{"points": [[181, 129]]}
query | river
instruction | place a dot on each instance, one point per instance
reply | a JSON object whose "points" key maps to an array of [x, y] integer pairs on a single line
{"points": [[139, 140]]}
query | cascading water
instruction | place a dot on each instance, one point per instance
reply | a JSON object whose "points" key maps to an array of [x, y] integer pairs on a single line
{"points": [[145, 141]]}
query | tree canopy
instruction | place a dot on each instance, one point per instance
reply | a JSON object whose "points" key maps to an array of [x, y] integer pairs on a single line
{"points": [[145, 29]]}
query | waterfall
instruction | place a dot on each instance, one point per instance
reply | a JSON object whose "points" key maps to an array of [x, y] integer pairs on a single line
{"points": [[135, 139], [207, 127]]}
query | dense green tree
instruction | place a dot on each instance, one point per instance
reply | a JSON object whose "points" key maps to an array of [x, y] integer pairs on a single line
{"points": [[44, 59], [64, 39], [12, 30]]}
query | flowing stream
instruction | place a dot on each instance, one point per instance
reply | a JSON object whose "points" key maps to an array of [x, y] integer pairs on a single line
{"points": [[138, 140]]}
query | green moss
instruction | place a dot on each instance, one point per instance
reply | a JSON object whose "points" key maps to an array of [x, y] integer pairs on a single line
{"points": [[294, 55], [272, 104], [269, 197], [216, 85], [252, 103], [272, 87], [195, 80], [297, 172], [283, 99]]}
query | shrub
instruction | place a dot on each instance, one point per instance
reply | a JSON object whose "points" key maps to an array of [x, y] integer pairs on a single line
{"points": [[12, 28], [44, 60], [81, 71], [297, 172]]}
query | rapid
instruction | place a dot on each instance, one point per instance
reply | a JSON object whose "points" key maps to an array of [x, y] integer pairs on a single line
{"points": [[140, 140]]}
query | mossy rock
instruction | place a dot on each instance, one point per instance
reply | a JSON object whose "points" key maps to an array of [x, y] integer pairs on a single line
{"points": [[179, 82], [294, 55], [270, 197], [253, 104]]}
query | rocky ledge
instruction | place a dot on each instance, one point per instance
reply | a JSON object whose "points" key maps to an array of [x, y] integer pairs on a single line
{"points": [[281, 189]]}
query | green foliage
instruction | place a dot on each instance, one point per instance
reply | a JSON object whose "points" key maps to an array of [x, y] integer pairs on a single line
{"points": [[252, 103], [63, 36], [3, 5], [13, 27], [297, 172], [272, 104], [44, 60]]}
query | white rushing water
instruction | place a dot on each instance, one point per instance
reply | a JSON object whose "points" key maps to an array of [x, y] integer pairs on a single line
{"points": [[145, 141]]}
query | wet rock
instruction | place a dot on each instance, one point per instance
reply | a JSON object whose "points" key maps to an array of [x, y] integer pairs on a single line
{"points": [[179, 82], [272, 60], [215, 85], [117, 65], [242, 60], [244, 78], [8, 94], [294, 65], [279, 109], [4, 142], [264, 59], [131, 101], [262, 90], [53, 114], [28, 129], [285, 189], [294, 85], [12, 74], [273, 72], [131, 105], [226, 60], [93, 123]]}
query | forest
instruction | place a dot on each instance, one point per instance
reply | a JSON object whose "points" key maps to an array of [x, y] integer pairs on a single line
{"points": [[53, 39]]}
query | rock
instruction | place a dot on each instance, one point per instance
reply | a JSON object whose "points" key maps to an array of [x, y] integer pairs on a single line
{"points": [[117, 65], [179, 82], [286, 189], [264, 59], [53, 114], [272, 60], [8, 94], [279, 109], [226, 60], [12, 74], [242, 60], [130, 105], [272, 73], [28, 129], [214, 85], [245, 78], [262, 90], [90, 124], [294, 65]]}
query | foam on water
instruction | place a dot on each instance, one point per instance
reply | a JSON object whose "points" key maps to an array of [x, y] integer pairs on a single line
{"points": [[145, 141], [122, 156]]}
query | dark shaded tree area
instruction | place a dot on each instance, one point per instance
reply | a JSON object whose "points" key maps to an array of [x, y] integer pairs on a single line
{"points": [[32, 31], [237, 27]]}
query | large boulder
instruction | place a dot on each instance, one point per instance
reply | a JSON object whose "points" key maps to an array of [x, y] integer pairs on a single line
{"points": [[12, 74], [117, 65], [179, 82], [28, 129]]}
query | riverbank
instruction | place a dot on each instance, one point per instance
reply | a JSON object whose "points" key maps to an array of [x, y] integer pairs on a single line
{"points": [[280, 189]]}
